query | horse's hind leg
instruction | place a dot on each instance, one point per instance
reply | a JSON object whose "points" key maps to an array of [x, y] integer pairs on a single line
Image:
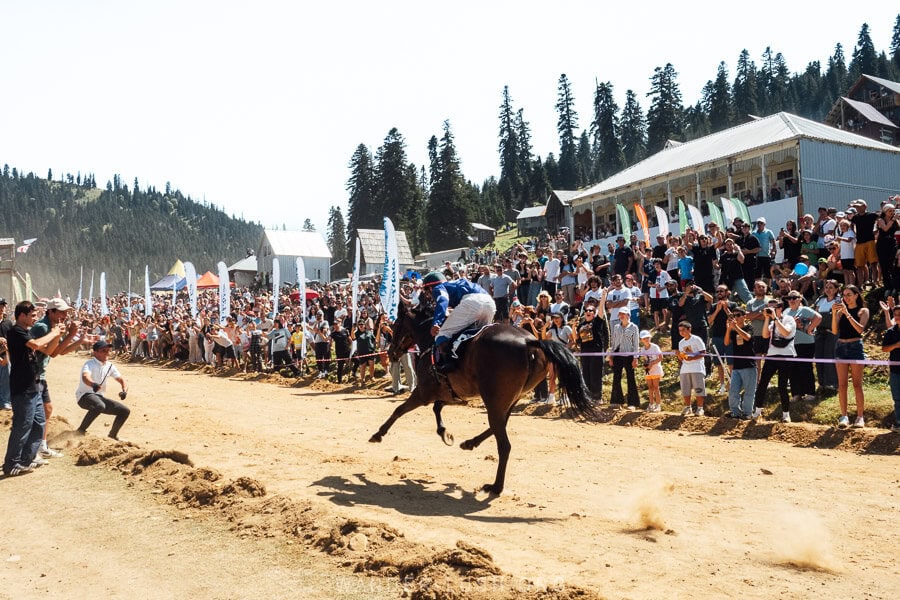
{"points": [[446, 436], [415, 400], [498, 416]]}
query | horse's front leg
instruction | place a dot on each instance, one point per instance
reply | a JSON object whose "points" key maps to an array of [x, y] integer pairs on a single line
{"points": [[446, 436], [415, 400]]}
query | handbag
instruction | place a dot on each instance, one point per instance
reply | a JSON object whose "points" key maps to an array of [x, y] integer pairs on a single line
{"points": [[780, 342]]}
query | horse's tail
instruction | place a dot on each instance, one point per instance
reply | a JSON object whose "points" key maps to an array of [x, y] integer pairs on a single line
{"points": [[569, 372]]}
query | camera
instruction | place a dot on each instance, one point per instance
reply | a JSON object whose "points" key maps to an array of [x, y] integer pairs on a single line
{"points": [[769, 311]]}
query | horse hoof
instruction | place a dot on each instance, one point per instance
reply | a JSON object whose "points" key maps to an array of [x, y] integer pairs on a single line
{"points": [[491, 489], [467, 445], [447, 437], [375, 439]]}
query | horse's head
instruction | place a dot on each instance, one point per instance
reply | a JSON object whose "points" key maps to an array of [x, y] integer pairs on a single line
{"points": [[412, 326]]}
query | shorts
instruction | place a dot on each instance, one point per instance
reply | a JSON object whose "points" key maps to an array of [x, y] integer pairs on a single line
{"points": [[693, 383], [849, 350], [848, 264], [865, 253], [659, 304]]}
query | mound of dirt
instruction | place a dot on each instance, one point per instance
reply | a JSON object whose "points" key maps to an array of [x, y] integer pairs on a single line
{"points": [[427, 573]]}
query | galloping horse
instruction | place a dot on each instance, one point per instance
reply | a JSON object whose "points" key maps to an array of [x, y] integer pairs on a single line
{"points": [[500, 364]]}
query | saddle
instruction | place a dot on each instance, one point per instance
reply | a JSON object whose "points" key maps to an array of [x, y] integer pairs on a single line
{"points": [[459, 342]]}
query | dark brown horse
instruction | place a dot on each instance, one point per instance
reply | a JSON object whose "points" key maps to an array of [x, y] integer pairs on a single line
{"points": [[500, 364]]}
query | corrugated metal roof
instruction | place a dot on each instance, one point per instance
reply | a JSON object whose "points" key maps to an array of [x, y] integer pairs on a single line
{"points": [[767, 131], [531, 212], [309, 244], [482, 227], [891, 85], [869, 112], [371, 241], [565, 196], [245, 264]]}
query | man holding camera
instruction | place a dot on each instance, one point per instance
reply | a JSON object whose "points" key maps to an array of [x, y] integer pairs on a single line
{"points": [[90, 390]]}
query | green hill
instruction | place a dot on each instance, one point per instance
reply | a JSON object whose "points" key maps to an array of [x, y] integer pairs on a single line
{"points": [[113, 230]]}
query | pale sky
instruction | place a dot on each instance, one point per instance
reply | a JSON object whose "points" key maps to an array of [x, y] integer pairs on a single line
{"points": [[258, 106]]}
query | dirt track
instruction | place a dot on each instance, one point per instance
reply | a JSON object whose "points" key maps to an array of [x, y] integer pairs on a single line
{"points": [[620, 511]]}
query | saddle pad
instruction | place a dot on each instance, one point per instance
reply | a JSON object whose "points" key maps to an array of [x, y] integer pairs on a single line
{"points": [[464, 336]]}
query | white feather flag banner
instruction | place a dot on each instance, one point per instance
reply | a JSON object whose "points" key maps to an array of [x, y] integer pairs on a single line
{"points": [[728, 209], [696, 218], [354, 288], [224, 295], [104, 308], [663, 219], [148, 299], [190, 274], [276, 285], [301, 289], [390, 276]]}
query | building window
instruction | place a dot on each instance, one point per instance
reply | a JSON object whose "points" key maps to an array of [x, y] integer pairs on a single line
{"points": [[782, 175], [738, 186], [720, 191]]}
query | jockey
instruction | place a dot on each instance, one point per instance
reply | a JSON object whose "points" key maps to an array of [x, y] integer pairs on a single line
{"points": [[471, 305]]}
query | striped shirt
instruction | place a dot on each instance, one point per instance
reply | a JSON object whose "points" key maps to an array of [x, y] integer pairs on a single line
{"points": [[625, 339]]}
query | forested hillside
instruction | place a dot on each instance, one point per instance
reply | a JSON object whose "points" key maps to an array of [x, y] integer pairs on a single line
{"points": [[112, 230]]}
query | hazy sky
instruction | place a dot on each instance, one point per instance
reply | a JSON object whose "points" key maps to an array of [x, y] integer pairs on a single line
{"points": [[258, 106]]}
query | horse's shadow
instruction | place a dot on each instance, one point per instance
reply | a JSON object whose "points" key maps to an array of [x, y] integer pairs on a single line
{"points": [[413, 497]]}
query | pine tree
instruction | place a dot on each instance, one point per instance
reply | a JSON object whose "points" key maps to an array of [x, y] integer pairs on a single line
{"points": [[718, 102], [895, 47], [525, 158], [337, 235], [744, 89], [391, 190], [665, 117], [511, 180], [807, 89], [634, 130], [448, 212], [412, 218], [585, 159], [607, 147], [696, 121], [865, 58], [308, 225], [539, 181], [568, 176], [361, 189], [836, 75]]}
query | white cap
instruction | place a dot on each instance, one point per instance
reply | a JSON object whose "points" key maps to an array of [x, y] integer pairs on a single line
{"points": [[645, 334], [761, 220]]}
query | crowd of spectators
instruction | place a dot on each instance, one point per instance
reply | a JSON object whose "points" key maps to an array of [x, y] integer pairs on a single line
{"points": [[783, 303]]}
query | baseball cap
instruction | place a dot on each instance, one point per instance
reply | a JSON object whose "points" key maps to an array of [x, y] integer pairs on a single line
{"points": [[645, 334], [3, 301], [58, 304], [100, 345]]}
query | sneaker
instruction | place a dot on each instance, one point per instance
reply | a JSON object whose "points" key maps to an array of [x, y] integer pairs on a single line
{"points": [[844, 422], [757, 413], [809, 397], [786, 417], [722, 389], [50, 453], [859, 423], [551, 398], [687, 412], [699, 412], [39, 462], [6, 406], [631, 408], [18, 469]]}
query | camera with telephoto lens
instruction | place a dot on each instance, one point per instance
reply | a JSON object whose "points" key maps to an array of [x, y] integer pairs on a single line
{"points": [[769, 311]]}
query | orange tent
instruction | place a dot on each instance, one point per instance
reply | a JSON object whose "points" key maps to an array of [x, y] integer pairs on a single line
{"points": [[208, 280]]}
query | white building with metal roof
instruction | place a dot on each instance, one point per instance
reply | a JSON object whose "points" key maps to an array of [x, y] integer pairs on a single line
{"points": [[287, 246], [779, 156]]}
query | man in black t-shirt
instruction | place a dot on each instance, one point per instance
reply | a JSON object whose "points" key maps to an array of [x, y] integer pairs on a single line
{"points": [[5, 326], [28, 420]]}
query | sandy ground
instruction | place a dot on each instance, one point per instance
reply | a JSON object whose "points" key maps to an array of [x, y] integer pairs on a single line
{"points": [[640, 506]]}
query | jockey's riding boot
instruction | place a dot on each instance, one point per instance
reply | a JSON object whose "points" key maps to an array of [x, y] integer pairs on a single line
{"points": [[443, 358]]}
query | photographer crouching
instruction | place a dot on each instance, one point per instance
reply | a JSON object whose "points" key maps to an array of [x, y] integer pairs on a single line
{"points": [[90, 390]]}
